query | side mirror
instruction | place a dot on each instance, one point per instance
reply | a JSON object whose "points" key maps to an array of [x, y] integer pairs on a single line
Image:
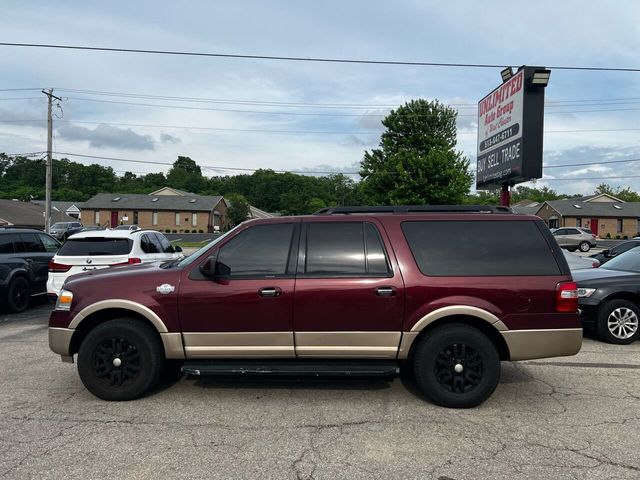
{"points": [[177, 249], [605, 252], [214, 269]]}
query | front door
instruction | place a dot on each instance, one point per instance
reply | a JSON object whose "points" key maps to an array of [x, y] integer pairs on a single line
{"points": [[349, 294], [114, 219], [593, 226], [249, 312]]}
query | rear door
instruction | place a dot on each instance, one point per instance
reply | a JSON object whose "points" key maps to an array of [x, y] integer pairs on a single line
{"points": [[38, 257], [349, 292]]}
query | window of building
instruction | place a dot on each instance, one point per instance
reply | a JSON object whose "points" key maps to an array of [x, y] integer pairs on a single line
{"points": [[194, 219], [177, 218], [96, 217], [619, 225], [154, 218], [260, 251], [578, 222], [135, 217], [553, 223], [479, 248]]}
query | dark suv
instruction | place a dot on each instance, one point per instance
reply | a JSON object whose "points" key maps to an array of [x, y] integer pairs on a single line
{"points": [[448, 292], [63, 230], [24, 261]]}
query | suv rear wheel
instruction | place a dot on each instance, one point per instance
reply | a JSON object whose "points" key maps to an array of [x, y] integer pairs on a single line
{"points": [[18, 295], [584, 246], [456, 366], [121, 359]]}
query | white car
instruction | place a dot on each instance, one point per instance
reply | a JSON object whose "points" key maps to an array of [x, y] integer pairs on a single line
{"points": [[576, 262], [86, 251]]}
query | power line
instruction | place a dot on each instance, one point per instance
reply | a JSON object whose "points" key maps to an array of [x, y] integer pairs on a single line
{"points": [[304, 59], [588, 178], [593, 163]]}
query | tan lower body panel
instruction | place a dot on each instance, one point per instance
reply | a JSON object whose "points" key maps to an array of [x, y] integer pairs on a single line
{"points": [[239, 345], [528, 344], [60, 340], [173, 348], [347, 344]]}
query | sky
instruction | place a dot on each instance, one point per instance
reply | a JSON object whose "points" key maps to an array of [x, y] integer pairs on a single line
{"points": [[246, 114]]}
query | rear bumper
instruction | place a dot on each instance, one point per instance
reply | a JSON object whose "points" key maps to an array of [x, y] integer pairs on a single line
{"points": [[543, 343]]}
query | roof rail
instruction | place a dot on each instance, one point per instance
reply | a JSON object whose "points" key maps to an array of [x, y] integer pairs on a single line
{"points": [[403, 209]]}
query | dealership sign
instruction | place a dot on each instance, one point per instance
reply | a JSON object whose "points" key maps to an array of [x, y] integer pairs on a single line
{"points": [[510, 121]]}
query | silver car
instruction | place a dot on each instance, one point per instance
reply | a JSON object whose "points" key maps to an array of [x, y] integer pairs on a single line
{"points": [[574, 238], [577, 262]]}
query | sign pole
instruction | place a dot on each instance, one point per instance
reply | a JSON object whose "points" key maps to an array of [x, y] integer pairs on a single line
{"points": [[505, 195]]}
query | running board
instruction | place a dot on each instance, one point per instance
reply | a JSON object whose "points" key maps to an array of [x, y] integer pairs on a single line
{"points": [[306, 368]]}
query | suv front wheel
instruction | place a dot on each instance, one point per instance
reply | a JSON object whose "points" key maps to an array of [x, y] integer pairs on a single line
{"points": [[456, 366], [121, 359]]}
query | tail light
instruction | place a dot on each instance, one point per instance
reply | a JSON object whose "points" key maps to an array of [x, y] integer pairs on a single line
{"points": [[567, 297], [131, 261], [595, 264], [58, 267]]}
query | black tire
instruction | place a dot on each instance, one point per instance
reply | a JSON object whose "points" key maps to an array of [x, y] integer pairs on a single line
{"points": [[18, 295], [571, 249], [617, 322], [138, 349], [448, 347], [584, 246]]}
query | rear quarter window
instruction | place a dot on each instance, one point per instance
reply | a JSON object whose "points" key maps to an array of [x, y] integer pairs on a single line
{"points": [[95, 246], [480, 248]]}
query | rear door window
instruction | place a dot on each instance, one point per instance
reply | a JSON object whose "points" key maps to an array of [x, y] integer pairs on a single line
{"points": [[165, 244], [344, 249], [149, 244], [31, 243], [479, 248], [50, 245], [95, 246]]}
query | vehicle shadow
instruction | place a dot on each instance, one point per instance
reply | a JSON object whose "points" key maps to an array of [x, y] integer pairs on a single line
{"points": [[292, 382]]}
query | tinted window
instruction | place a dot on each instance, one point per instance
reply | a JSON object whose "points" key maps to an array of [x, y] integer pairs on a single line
{"points": [[6, 243], [623, 247], [456, 248], [50, 245], [165, 244], [587, 230], [561, 231], [149, 244], [96, 246], [573, 231], [629, 261], [344, 248], [261, 251], [31, 243]]}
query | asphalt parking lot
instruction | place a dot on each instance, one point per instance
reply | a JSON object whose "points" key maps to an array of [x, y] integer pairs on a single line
{"points": [[574, 417]]}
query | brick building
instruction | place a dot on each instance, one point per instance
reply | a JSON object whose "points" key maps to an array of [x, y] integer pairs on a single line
{"points": [[166, 209], [605, 215]]}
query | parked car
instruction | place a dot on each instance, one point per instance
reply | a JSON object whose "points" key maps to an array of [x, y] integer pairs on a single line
{"points": [[575, 238], [127, 227], [446, 291], [576, 262], [63, 230], [609, 298], [24, 256], [606, 255], [93, 250]]}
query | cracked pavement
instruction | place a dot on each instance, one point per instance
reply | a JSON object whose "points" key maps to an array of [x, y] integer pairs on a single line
{"points": [[570, 417]]}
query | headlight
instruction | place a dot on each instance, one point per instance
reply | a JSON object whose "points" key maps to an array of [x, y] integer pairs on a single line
{"points": [[585, 292], [65, 298]]}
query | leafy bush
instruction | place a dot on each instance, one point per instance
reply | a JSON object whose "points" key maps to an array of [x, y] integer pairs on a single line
{"points": [[608, 235], [617, 237], [625, 237], [174, 231], [200, 231]]}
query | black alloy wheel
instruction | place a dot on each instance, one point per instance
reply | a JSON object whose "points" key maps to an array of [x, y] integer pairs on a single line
{"points": [[456, 366], [121, 359], [18, 295]]}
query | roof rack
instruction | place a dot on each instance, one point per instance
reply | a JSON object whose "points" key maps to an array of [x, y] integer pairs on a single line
{"points": [[403, 209]]}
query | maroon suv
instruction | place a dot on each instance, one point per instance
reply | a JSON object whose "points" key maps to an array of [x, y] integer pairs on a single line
{"points": [[446, 291]]}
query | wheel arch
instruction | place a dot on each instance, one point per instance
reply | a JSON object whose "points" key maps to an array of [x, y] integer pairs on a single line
{"points": [[621, 295], [101, 312], [491, 330]]}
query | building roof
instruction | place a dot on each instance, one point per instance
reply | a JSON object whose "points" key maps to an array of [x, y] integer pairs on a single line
{"points": [[62, 206], [172, 191], [574, 207], [129, 201], [28, 214], [526, 209], [255, 212]]}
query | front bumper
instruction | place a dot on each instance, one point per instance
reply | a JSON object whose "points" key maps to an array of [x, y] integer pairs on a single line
{"points": [[60, 342], [542, 343]]}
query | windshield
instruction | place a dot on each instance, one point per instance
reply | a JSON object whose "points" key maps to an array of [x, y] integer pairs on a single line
{"points": [[628, 261], [194, 256]]}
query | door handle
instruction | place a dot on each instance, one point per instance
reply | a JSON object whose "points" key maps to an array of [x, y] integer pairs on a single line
{"points": [[385, 291], [270, 292]]}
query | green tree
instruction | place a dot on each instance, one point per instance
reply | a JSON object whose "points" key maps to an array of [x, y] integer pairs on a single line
{"points": [[624, 194], [417, 162], [238, 208], [185, 174]]}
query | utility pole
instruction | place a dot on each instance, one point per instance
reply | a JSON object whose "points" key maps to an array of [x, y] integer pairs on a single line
{"points": [[47, 202]]}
